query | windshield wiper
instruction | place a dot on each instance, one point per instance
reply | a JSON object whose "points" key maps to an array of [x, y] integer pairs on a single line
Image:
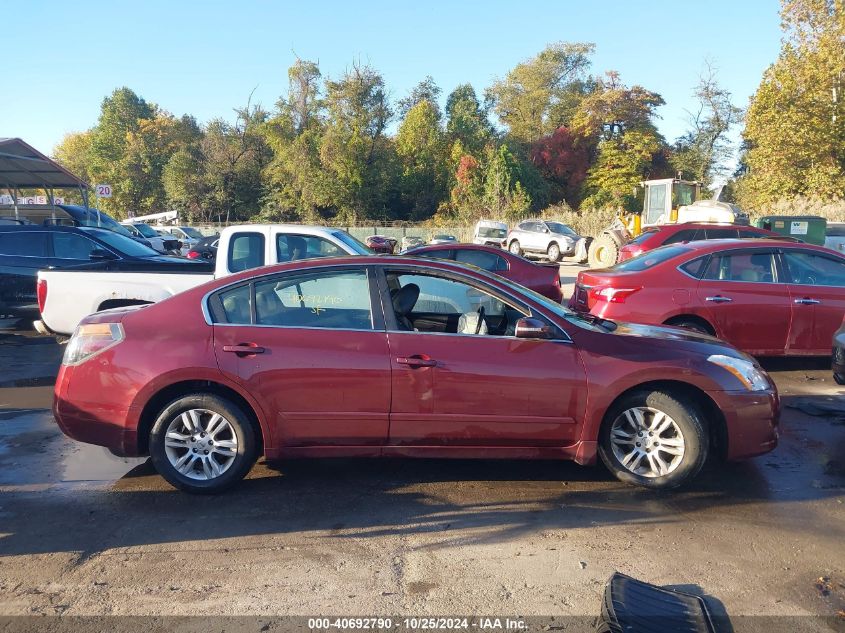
{"points": [[607, 324]]}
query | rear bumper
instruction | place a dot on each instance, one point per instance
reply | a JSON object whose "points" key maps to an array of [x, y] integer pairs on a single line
{"points": [[93, 423], [752, 421]]}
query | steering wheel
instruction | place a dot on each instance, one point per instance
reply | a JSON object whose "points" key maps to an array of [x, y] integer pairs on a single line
{"points": [[480, 313]]}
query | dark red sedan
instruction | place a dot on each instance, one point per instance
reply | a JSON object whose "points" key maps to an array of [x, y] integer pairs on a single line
{"points": [[544, 279], [766, 297], [402, 357], [666, 234]]}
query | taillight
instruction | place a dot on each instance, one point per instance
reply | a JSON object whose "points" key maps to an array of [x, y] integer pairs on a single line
{"points": [[41, 292], [612, 295], [90, 339], [192, 255]]}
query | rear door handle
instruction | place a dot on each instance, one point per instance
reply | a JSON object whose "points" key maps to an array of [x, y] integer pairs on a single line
{"points": [[244, 349], [807, 301], [719, 299], [417, 361]]}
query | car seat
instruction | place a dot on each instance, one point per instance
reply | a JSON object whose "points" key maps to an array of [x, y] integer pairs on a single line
{"points": [[404, 299]]}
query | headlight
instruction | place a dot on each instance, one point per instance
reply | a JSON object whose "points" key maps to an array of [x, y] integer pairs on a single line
{"points": [[91, 339], [751, 376]]}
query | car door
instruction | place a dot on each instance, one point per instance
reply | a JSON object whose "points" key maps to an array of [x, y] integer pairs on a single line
{"points": [[817, 289], [745, 298], [309, 347], [455, 387], [22, 255]]}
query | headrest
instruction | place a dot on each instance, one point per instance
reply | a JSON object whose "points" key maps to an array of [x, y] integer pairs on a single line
{"points": [[405, 298]]}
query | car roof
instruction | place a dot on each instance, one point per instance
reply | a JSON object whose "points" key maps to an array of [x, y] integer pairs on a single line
{"points": [[710, 246]]}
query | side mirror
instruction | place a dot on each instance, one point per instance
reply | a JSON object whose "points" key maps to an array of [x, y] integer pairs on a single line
{"points": [[100, 254], [532, 328]]}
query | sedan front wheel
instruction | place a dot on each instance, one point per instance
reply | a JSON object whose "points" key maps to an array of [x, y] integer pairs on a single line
{"points": [[654, 439], [202, 443]]}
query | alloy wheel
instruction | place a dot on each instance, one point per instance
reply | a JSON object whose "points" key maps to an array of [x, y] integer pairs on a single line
{"points": [[201, 444], [647, 442]]}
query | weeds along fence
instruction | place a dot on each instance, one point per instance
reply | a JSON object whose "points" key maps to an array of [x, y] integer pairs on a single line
{"points": [[588, 222]]}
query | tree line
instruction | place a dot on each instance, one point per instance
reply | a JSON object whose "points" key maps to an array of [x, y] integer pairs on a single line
{"points": [[550, 132]]}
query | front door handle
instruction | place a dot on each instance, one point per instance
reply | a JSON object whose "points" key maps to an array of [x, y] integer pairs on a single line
{"points": [[420, 360], [244, 349], [719, 299], [807, 301]]}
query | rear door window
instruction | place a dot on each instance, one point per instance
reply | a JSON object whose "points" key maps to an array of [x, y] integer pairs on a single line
{"points": [[720, 233], [745, 267], [24, 243]]}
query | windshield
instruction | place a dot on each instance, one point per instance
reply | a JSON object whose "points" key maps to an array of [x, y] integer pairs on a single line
{"points": [[192, 232], [125, 245], [99, 220], [357, 248], [560, 229], [683, 194], [649, 259], [586, 321], [487, 231], [146, 230]]}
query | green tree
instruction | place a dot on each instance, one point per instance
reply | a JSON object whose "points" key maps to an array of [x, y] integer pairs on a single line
{"points": [[619, 120], [543, 93], [426, 90], [466, 121], [355, 153], [74, 153], [421, 148], [795, 126], [504, 193]]}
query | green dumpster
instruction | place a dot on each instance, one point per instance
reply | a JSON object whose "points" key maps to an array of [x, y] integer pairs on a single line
{"points": [[807, 228]]}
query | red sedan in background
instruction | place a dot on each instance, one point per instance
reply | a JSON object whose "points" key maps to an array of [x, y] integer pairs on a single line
{"points": [[544, 279], [378, 356], [666, 234], [766, 297]]}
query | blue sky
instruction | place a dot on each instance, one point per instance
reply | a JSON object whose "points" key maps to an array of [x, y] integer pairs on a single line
{"points": [[204, 58]]}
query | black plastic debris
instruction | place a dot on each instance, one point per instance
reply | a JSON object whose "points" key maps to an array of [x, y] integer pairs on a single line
{"points": [[633, 606]]}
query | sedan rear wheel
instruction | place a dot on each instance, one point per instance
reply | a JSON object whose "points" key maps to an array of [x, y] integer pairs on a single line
{"points": [[653, 439], [554, 253], [202, 443]]}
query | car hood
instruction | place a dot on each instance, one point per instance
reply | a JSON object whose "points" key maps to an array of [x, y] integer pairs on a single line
{"points": [[667, 335]]}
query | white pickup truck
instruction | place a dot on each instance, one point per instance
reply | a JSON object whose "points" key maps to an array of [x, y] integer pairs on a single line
{"points": [[67, 296]]}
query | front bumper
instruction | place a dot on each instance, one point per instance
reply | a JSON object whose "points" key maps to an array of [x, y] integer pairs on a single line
{"points": [[752, 420]]}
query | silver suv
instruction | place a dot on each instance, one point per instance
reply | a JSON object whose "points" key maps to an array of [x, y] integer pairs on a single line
{"points": [[538, 237]]}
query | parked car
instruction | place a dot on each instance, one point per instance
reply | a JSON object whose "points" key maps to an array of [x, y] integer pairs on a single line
{"points": [[27, 249], [73, 294], [410, 241], [766, 297], [665, 234], [381, 244], [86, 216], [396, 357], [490, 233], [834, 236], [839, 354], [537, 277], [443, 239], [166, 245], [206, 248], [538, 237], [188, 235]]}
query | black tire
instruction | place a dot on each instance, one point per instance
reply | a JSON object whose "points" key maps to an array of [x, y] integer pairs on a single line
{"points": [[515, 248], [553, 252], [241, 428], [839, 379], [604, 252], [694, 325], [689, 420]]}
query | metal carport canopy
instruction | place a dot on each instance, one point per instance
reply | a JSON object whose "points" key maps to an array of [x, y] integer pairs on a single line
{"points": [[24, 167]]}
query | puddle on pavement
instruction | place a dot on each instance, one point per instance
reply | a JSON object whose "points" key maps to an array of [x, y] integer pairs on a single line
{"points": [[91, 463]]}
